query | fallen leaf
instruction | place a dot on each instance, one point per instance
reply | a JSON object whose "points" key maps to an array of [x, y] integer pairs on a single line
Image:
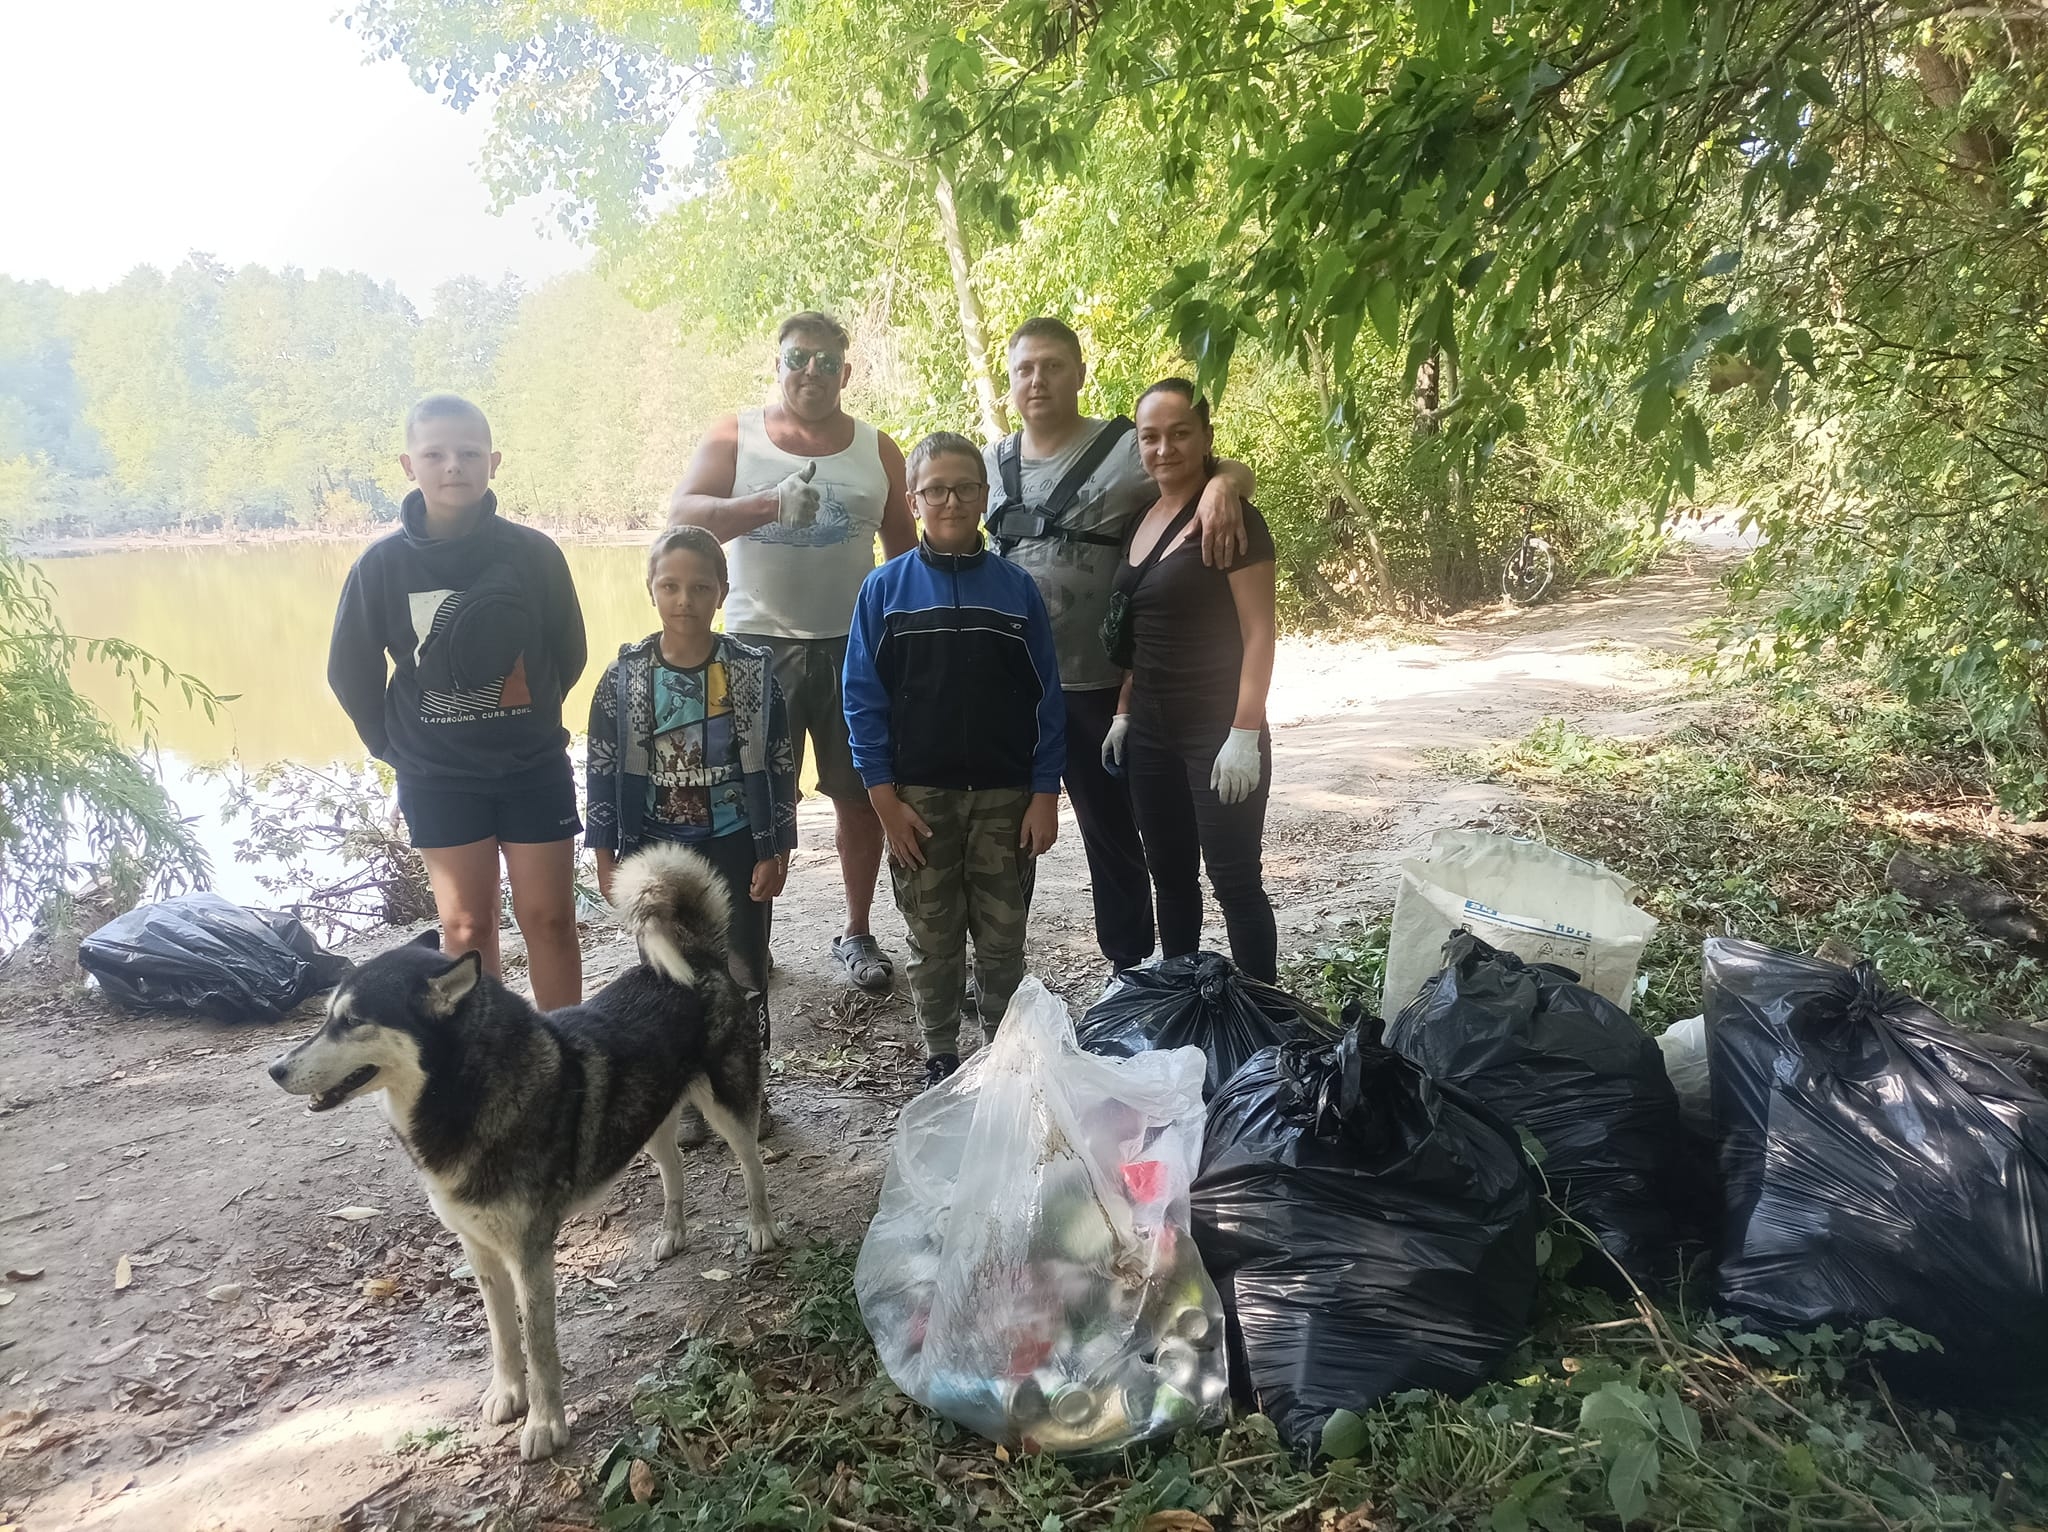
{"points": [[133, 1154], [20, 1420], [150, 1260], [107, 1357], [355, 1214], [1002, 1454], [716, 1274], [606, 1283], [640, 1481], [5, 1299], [227, 1292], [380, 1287], [23, 1273], [124, 1273], [1176, 1521]]}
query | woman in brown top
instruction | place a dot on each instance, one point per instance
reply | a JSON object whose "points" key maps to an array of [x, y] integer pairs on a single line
{"points": [[1191, 725]]}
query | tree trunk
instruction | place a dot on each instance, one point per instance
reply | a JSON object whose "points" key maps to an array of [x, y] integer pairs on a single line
{"points": [[1992, 910], [1428, 394], [1465, 580], [1946, 80], [1382, 576], [995, 415]]}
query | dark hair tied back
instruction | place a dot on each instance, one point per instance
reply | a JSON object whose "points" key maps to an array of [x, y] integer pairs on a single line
{"points": [[1186, 390]]}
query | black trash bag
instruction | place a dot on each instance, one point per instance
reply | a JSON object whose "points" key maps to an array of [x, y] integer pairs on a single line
{"points": [[1878, 1164], [1369, 1230], [1200, 1001], [1572, 1069], [201, 953]]}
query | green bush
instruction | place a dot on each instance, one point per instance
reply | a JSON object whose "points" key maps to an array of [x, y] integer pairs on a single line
{"points": [[76, 804]]}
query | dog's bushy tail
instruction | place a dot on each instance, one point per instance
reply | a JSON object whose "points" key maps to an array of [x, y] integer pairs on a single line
{"points": [[677, 908]]}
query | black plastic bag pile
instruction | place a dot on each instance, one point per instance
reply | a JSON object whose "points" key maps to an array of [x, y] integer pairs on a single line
{"points": [[1877, 1165], [1578, 1075], [201, 953], [1369, 1229], [1199, 1001]]}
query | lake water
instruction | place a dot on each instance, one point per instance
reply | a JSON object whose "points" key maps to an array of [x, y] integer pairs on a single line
{"points": [[254, 622]]}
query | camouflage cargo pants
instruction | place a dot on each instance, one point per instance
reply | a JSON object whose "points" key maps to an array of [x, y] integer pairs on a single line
{"points": [[976, 883]]}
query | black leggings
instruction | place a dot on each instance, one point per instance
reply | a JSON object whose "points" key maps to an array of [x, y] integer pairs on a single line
{"points": [[1116, 857], [1184, 824]]}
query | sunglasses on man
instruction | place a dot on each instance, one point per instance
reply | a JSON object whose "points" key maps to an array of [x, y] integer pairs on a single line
{"points": [[798, 358]]}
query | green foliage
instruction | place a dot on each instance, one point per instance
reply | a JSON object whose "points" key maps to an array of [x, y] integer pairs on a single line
{"points": [[1609, 1416], [1352, 965], [75, 803], [331, 841], [216, 400], [822, 129], [1448, 258], [1774, 822]]}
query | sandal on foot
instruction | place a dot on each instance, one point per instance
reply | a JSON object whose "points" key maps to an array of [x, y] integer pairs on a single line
{"points": [[862, 960]]}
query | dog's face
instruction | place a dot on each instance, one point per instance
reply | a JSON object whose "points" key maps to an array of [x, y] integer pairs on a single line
{"points": [[377, 1021]]}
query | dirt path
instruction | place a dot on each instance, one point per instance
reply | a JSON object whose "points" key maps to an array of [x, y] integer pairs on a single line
{"points": [[269, 1365]]}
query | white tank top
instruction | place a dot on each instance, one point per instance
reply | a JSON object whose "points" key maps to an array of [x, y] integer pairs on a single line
{"points": [[801, 582]]}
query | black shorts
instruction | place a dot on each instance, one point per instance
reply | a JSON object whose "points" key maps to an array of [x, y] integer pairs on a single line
{"points": [[535, 812]]}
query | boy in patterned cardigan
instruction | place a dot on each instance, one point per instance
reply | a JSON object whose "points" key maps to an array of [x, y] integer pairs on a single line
{"points": [[689, 742]]}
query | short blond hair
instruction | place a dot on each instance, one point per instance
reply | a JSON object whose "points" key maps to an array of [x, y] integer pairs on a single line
{"points": [[444, 407]]}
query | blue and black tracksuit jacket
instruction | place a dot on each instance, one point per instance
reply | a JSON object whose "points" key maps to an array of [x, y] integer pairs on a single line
{"points": [[951, 680]]}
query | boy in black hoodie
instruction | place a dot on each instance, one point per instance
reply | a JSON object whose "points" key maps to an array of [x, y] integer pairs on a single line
{"points": [[479, 620]]}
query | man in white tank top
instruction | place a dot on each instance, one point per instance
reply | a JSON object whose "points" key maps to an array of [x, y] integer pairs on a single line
{"points": [[798, 492]]}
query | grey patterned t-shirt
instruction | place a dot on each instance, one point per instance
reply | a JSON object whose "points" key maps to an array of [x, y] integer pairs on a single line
{"points": [[1075, 578]]}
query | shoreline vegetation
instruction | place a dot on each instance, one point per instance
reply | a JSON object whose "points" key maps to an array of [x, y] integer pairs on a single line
{"points": [[39, 549]]}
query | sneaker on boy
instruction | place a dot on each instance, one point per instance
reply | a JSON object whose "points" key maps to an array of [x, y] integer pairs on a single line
{"points": [[959, 731]]}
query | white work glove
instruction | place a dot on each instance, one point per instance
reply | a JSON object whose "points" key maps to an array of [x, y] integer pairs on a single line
{"points": [[1113, 742], [1235, 776], [797, 499]]}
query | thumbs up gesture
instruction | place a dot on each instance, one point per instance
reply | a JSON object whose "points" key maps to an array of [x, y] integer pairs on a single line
{"points": [[797, 499]]}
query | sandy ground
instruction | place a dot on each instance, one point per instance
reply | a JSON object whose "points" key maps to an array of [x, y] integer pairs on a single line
{"points": [[209, 1348]]}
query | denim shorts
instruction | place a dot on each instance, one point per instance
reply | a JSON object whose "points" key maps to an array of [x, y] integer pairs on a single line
{"points": [[535, 811]]}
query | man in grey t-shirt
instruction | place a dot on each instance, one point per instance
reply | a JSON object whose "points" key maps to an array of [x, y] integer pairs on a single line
{"points": [[1074, 565]]}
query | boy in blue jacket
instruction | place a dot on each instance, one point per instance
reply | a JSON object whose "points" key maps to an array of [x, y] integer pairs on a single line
{"points": [[954, 708]]}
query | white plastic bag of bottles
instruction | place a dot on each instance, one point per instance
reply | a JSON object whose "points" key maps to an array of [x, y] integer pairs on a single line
{"points": [[1030, 1274]]}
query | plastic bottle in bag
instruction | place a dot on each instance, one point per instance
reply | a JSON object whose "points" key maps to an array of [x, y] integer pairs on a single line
{"points": [[1030, 1273]]}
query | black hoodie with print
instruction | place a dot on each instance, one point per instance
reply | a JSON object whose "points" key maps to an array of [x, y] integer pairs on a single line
{"points": [[484, 638]]}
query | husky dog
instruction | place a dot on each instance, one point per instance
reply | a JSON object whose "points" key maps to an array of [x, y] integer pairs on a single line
{"points": [[515, 1119]]}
